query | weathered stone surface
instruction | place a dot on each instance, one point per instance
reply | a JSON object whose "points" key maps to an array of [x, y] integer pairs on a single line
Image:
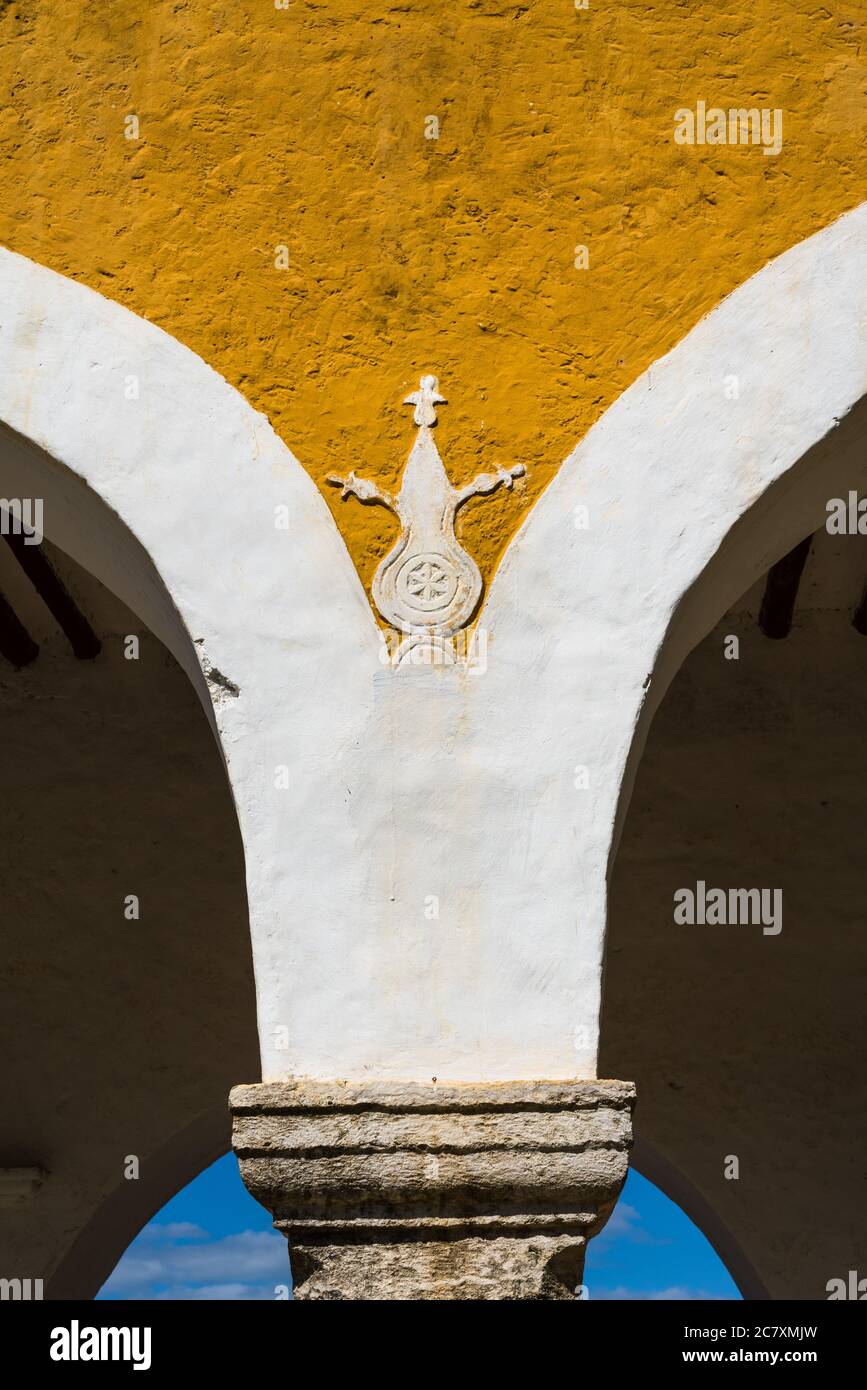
{"points": [[542, 1267], [497, 1096], [435, 1192], [423, 1130]]}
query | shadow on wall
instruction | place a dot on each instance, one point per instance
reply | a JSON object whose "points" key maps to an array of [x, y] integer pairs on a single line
{"points": [[747, 1046]]}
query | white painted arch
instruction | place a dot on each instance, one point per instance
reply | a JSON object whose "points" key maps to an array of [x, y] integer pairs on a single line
{"points": [[690, 494]]}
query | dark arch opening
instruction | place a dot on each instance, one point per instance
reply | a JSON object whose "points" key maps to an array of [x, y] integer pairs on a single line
{"points": [[123, 1025], [747, 1044]]}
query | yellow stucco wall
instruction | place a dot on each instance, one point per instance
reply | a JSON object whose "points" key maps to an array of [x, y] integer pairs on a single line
{"points": [[306, 127]]}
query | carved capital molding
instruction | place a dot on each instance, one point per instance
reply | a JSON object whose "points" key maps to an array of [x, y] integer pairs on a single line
{"points": [[409, 1191]]}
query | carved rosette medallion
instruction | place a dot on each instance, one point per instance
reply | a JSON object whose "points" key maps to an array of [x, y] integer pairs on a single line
{"points": [[427, 583], [427, 587]]}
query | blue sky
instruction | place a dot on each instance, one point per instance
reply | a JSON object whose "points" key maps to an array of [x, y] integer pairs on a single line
{"points": [[213, 1241]]}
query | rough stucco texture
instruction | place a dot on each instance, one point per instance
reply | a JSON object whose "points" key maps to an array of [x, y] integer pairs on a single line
{"points": [[305, 127]]}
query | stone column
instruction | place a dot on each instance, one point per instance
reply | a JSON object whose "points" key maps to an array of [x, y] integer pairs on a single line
{"points": [[409, 1191]]}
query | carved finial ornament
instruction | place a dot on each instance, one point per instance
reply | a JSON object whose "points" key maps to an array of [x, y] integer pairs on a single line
{"points": [[427, 585], [425, 400]]}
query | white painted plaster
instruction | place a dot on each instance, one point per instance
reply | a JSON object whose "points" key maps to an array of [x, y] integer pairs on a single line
{"points": [[421, 787]]}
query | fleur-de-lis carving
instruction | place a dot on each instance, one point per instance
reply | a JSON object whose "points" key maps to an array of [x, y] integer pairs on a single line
{"points": [[427, 583]]}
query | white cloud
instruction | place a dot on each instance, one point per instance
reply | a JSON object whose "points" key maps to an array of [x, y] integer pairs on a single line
{"points": [[674, 1293], [243, 1293], [238, 1261], [625, 1223], [172, 1230]]}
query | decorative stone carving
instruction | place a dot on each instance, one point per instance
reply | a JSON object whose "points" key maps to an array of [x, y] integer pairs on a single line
{"points": [[409, 1191], [427, 586]]}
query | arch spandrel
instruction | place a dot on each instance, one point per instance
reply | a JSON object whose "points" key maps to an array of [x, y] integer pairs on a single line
{"points": [[404, 785], [376, 815]]}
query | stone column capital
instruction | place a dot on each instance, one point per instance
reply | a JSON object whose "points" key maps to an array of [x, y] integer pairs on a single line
{"points": [[396, 1190]]}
